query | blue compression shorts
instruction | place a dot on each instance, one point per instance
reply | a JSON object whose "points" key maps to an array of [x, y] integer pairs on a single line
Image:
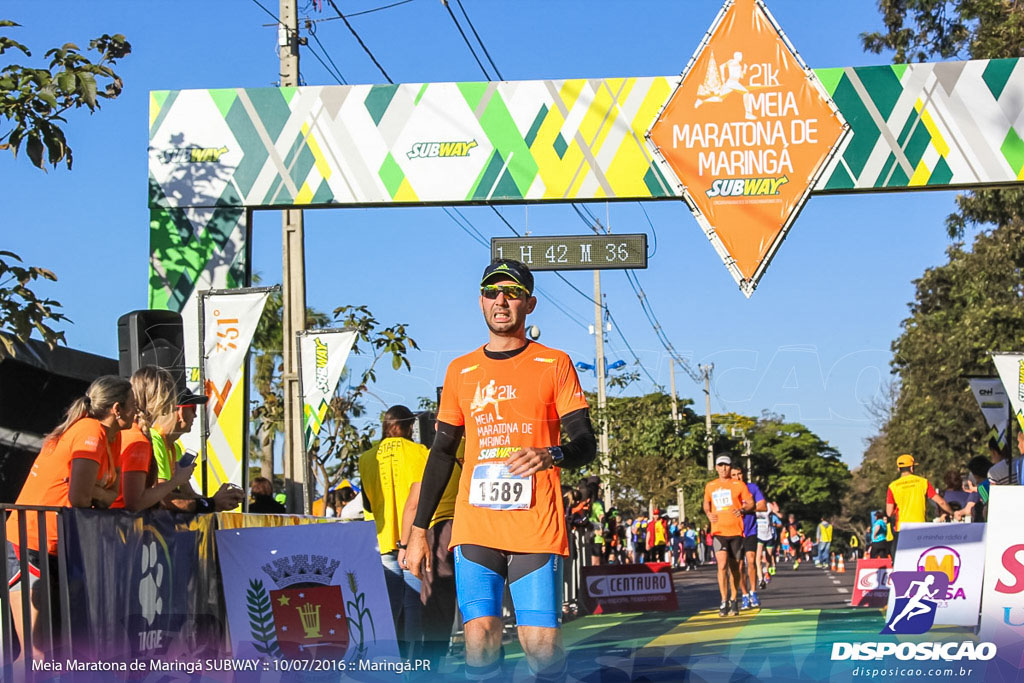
{"points": [[534, 579]]}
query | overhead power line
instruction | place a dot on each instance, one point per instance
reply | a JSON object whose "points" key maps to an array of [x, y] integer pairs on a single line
{"points": [[465, 39], [477, 35], [336, 74], [359, 40]]}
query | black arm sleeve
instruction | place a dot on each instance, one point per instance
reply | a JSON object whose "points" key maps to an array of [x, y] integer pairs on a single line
{"points": [[437, 472], [582, 447]]}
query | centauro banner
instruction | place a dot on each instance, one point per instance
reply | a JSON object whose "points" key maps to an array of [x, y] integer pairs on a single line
{"points": [[322, 356], [1010, 367], [988, 392], [229, 319]]}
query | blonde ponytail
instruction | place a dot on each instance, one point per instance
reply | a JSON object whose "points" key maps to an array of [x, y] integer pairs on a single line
{"points": [[155, 395], [99, 399]]}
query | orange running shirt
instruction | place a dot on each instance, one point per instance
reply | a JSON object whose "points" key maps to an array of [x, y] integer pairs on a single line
{"points": [[136, 456], [507, 404], [49, 480], [725, 496]]}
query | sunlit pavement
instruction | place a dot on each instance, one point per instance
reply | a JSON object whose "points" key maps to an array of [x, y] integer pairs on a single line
{"points": [[790, 638]]}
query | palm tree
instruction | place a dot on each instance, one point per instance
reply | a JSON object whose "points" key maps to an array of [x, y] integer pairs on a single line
{"points": [[267, 347]]}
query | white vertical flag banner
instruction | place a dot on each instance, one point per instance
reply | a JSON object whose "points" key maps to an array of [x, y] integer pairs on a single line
{"points": [[229, 321], [322, 356], [991, 398], [1010, 367], [1002, 599]]}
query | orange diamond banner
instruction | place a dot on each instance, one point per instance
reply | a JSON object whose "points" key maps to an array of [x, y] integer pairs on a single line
{"points": [[747, 132]]}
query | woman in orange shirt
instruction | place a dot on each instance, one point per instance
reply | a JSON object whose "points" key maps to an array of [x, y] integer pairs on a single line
{"points": [[154, 392], [77, 467]]}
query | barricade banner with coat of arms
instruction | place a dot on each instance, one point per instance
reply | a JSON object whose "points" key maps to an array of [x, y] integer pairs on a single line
{"points": [[314, 591]]}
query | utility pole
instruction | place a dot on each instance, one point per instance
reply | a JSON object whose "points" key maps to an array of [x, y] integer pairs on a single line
{"points": [[746, 457], [672, 386], [680, 498], [706, 372], [602, 399], [293, 278]]}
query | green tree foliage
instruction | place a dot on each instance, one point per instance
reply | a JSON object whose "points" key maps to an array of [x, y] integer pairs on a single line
{"points": [[918, 30], [267, 349], [32, 104], [343, 436], [651, 457], [795, 467], [962, 310], [21, 310], [648, 453], [335, 453], [33, 100], [972, 304]]}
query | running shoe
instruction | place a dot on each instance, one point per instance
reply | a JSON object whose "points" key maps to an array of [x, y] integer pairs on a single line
{"points": [[734, 607], [745, 602], [796, 565], [762, 585], [724, 609], [771, 570], [755, 602]]}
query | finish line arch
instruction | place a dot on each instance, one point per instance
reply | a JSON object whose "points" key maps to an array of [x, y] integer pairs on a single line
{"points": [[216, 155]]}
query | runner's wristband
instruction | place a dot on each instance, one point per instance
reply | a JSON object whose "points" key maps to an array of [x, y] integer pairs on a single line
{"points": [[204, 505]]}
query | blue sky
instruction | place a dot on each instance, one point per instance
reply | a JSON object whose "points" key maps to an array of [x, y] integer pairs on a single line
{"points": [[812, 343]]}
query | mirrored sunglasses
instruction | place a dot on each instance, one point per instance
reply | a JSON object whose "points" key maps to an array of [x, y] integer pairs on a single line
{"points": [[513, 292]]}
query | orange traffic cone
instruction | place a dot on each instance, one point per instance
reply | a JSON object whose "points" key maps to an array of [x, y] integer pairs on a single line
{"points": [[842, 567], [833, 562]]}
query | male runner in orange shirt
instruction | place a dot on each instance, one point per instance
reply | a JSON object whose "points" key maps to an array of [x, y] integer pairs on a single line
{"points": [[510, 398], [725, 501]]}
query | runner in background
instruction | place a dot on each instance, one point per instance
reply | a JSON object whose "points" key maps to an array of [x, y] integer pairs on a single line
{"points": [[794, 536], [725, 501], [690, 537], [749, 568], [775, 523], [509, 523], [765, 546]]}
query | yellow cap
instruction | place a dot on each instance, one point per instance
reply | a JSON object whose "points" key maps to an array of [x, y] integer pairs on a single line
{"points": [[905, 460]]}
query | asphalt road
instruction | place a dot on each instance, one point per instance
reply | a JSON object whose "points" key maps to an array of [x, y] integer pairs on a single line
{"points": [[804, 588]]}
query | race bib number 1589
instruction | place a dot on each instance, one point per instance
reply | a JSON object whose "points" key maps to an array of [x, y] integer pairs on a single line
{"points": [[493, 487]]}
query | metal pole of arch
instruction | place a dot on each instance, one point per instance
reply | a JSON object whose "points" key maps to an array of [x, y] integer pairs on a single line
{"points": [[293, 277]]}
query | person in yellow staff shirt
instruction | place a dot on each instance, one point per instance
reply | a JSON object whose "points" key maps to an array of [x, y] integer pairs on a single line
{"points": [[391, 477], [906, 496]]}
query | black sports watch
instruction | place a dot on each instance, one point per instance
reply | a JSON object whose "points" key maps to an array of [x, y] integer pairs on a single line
{"points": [[557, 456]]}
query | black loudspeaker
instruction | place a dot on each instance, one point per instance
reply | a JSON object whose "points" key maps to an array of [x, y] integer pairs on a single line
{"points": [[151, 337], [423, 428]]}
